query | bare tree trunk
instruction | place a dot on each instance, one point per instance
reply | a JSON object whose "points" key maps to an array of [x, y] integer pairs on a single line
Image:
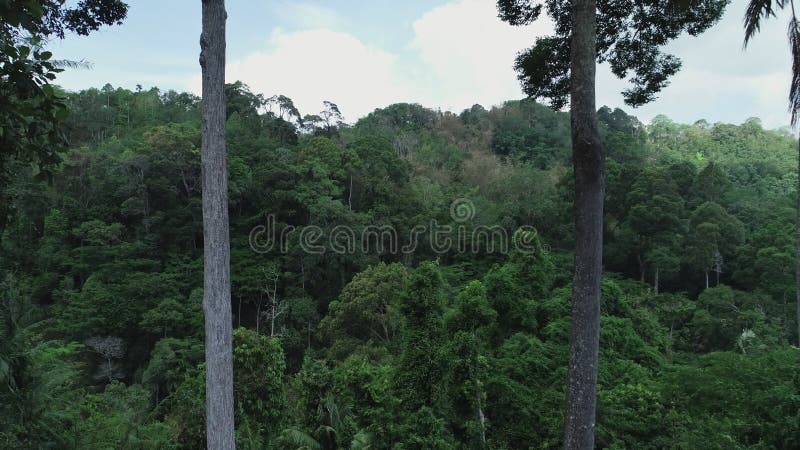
{"points": [[587, 159], [350, 194], [482, 421], [216, 239], [272, 321], [706, 279], [479, 403]]}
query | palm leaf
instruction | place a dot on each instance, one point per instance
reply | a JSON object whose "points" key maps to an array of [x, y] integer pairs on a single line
{"points": [[296, 439], [794, 92], [757, 10], [69, 64]]}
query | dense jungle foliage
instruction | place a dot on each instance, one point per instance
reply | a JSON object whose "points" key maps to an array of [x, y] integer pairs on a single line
{"points": [[101, 326]]}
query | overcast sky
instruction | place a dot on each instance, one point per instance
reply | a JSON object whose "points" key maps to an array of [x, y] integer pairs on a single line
{"points": [[443, 54]]}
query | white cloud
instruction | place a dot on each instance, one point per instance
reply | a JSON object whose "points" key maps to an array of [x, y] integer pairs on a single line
{"points": [[719, 81], [461, 54], [699, 93], [316, 65], [469, 53], [302, 15]]}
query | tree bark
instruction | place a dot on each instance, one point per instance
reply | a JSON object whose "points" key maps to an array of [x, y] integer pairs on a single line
{"points": [[587, 159], [216, 239]]}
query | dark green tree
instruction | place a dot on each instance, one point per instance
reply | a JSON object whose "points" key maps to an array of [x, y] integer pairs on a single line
{"points": [[629, 35]]}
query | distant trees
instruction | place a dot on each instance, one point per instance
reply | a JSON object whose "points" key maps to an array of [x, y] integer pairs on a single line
{"points": [[758, 10], [326, 122], [32, 113], [380, 347], [113, 248]]}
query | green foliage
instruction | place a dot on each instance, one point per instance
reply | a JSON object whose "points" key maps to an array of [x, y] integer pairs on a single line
{"points": [[184, 411], [170, 362], [258, 380], [420, 367], [367, 310], [33, 111], [119, 417], [378, 349]]}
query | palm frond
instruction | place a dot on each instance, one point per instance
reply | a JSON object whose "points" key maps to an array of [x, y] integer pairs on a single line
{"points": [[794, 92], [298, 440], [757, 10], [69, 64]]}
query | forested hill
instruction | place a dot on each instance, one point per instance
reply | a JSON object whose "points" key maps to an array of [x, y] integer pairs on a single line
{"points": [[344, 309]]}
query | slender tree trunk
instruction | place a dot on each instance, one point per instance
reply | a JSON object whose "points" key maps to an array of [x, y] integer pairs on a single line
{"points": [[797, 255], [656, 281], [478, 398], [258, 316], [272, 321], [587, 159], [216, 239], [706, 279], [350, 194], [481, 419]]}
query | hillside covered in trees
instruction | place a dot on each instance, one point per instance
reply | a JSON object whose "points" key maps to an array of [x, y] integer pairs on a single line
{"points": [[101, 326]]}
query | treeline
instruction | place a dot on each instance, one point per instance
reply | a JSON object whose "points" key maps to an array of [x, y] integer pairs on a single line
{"points": [[101, 341]]}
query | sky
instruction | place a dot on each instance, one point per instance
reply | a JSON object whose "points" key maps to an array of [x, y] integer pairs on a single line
{"points": [[443, 54]]}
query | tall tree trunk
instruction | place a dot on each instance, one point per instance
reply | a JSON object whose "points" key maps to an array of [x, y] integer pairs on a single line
{"points": [[797, 253], [272, 321], [706, 279], [350, 194], [478, 395], [216, 239], [481, 419], [587, 160]]}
